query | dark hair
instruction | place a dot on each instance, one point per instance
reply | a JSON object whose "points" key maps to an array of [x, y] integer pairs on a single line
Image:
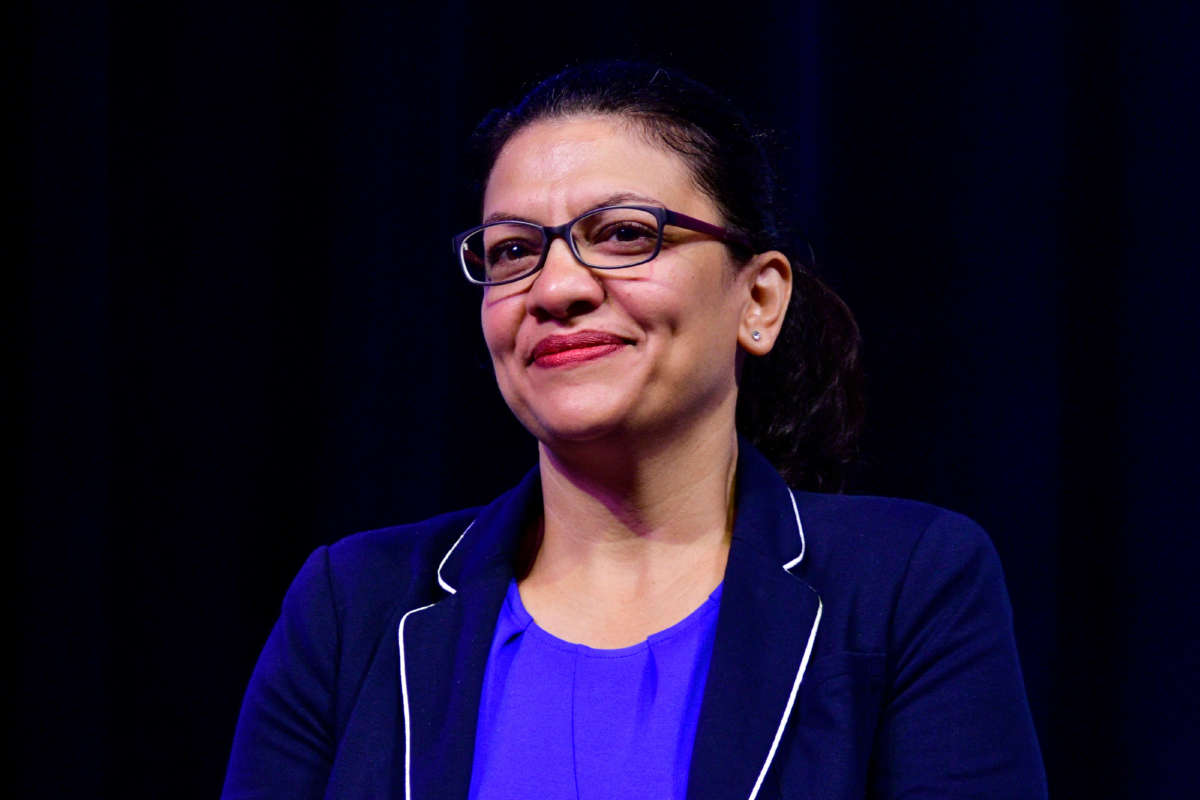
{"points": [[802, 404]]}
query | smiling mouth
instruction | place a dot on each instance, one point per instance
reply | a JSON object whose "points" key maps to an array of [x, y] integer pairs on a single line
{"points": [[554, 351]]}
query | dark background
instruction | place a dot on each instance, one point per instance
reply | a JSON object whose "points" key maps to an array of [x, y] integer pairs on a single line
{"points": [[240, 335]]}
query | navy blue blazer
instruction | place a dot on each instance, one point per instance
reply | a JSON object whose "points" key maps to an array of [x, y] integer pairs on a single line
{"points": [[864, 648]]}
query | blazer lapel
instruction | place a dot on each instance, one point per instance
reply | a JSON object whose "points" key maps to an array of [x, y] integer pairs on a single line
{"points": [[765, 632], [444, 648]]}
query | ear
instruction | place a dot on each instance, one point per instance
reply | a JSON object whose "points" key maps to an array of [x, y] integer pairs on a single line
{"points": [[768, 280]]}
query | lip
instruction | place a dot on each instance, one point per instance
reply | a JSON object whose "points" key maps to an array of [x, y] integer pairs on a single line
{"points": [[575, 347]]}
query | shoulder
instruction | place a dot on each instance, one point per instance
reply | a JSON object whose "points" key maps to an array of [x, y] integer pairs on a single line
{"points": [[870, 515], [849, 531], [354, 586], [917, 615], [390, 565], [329, 639], [343, 605], [878, 562], [914, 596]]}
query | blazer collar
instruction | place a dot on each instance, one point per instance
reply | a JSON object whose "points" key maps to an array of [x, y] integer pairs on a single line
{"points": [[489, 543], [765, 632]]}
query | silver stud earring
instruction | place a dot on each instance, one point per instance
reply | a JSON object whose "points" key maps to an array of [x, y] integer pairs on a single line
{"points": [[755, 335]]}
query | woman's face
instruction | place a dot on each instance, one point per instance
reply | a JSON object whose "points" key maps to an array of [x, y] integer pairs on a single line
{"points": [[650, 348]]}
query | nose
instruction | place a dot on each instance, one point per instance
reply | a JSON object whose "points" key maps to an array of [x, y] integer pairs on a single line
{"points": [[563, 287]]}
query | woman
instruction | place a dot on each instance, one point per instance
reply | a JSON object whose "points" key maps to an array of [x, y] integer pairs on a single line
{"points": [[652, 612]]}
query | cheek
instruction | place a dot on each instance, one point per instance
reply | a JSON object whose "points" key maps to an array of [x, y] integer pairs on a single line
{"points": [[689, 299], [499, 321], [705, 327]]}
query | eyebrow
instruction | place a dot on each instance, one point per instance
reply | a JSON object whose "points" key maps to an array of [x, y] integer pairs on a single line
{"points": [[615, 199]]}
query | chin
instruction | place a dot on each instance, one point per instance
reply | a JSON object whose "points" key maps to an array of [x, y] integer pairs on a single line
{"points": [[580, 413], [551, 429]]}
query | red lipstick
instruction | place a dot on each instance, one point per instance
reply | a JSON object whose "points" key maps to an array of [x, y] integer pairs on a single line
{"points": [[554, 351]]}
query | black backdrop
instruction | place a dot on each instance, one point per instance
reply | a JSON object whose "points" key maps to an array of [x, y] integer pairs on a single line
{"points": [[240, 334]]}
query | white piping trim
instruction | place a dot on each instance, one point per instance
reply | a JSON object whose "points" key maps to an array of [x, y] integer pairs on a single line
{"points": [[800, 528], [404, 666], [404, 696], [787, 711], [442, 582]]}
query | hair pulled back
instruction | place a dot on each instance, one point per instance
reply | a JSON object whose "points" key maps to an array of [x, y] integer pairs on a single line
{"points": [[801, 404]]}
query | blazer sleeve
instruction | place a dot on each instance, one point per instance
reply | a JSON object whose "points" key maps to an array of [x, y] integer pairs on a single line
{"points": [[956, 722], [283, 746]]}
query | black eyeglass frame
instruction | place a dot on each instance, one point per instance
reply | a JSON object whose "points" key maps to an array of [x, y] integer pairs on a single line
{"points": [[665, 216]]}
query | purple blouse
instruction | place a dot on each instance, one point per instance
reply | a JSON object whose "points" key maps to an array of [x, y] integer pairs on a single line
{"points": [[560, 720]]}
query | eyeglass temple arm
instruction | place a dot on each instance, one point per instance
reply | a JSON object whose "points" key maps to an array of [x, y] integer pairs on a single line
{"points": [[700, 226]]}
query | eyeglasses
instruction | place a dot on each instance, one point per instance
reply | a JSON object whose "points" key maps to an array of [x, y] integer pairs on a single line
{"points": [[613, 237]]}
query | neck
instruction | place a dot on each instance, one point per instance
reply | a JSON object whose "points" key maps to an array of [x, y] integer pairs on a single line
{"points": [[638, 495], [633, 537]]}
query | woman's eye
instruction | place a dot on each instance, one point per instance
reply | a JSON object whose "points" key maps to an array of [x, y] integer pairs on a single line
{"points": [[510, 251], [627, 232], [511, 255], [624, 233]]}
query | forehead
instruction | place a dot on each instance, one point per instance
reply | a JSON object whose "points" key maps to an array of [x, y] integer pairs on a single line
{"points": [[561, 167]]}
